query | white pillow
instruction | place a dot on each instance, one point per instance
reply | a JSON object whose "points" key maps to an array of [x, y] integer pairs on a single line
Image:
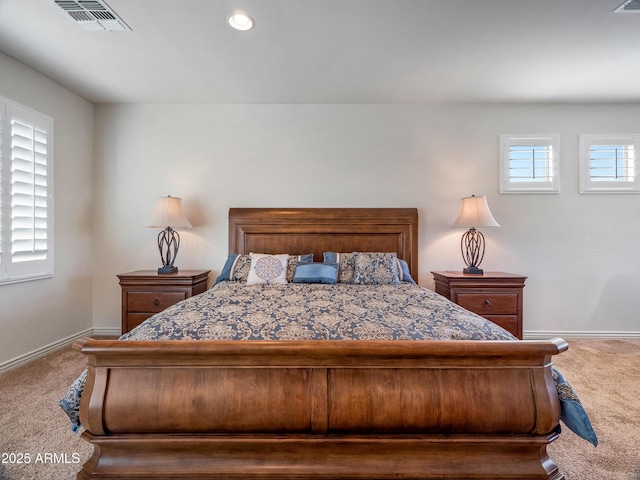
{"points": [[269, 269]]}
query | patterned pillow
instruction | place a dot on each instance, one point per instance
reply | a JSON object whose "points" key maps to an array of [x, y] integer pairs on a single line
{"points": [[345, 265], [70, 403], [375, 268], [267, 269], [236, 268], [316, 273]]}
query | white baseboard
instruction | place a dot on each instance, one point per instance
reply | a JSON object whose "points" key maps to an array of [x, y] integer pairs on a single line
{"points": [[41, 352], [542, 335], [107, 332]]}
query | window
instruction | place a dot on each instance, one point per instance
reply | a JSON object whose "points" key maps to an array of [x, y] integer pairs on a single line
{"points": [[609, 164], [529, 163], [26, 193]]}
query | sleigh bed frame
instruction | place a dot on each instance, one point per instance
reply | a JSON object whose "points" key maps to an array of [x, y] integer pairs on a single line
{"points": [[320, 409]]}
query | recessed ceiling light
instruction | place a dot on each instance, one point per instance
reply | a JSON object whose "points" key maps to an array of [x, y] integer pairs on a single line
{"points": [[241, 21]]}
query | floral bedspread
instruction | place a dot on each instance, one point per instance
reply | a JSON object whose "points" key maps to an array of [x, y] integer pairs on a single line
{"points": [[298, 311]]}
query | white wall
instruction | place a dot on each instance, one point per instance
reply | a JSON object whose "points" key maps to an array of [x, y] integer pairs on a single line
{"points": [[42, 312], [580, 252]]}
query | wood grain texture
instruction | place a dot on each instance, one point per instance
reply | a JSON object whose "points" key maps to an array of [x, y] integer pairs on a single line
{"points": [[364, 404], [320, 409], [146, 292], [497, 296], [270, 457], [298, 231]]}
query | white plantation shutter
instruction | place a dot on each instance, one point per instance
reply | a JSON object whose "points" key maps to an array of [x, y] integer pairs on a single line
{"points": [[529, 163], [609, 163], [26, 194]]}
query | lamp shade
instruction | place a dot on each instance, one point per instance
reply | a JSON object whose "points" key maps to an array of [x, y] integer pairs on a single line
{"points": [[169, 213], [474, 212]]}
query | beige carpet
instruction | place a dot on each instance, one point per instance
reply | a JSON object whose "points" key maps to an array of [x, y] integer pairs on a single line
{"points": [[606, 374], [31, 422]]}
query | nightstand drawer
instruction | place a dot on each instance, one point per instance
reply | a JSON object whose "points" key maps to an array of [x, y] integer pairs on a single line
{"points": [[135, 319], [153, 302], [489, 303], [497, 296], [508, 322], [146, 292]]}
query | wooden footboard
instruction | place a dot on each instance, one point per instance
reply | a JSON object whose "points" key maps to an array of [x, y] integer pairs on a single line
{"points": [[320, 409]]}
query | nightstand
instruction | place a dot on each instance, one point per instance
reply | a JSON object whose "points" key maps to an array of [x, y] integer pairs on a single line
{"points": [[145, 292], [497, 296]]}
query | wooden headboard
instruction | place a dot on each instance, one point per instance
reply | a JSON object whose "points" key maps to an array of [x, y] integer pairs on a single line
{"points": [[298, 231]]}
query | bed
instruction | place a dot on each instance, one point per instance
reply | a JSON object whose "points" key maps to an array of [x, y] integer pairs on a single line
{"points": [[327, 407]]}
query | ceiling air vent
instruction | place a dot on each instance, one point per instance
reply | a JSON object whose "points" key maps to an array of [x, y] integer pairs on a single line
{"points": [[630, 6], [92, 15]]}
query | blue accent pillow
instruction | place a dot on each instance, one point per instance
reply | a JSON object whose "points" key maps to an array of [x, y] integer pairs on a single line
{"points": [[331, 257], [294, 261], [405, 276], [316, 273], [572, 412], [225, 274]]}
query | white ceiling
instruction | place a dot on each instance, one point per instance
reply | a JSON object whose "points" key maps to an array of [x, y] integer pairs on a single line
{"points": [[336, 51]]}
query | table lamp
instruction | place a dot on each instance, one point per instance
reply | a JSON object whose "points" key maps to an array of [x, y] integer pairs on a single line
{"points": [[168, 215], [474, 212]]}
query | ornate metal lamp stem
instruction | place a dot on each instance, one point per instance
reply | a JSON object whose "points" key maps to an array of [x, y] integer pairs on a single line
{"points": [[472, 247], [168, 245]]}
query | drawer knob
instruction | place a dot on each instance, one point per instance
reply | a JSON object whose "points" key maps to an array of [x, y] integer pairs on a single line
{"points": [[156, 302], [487, 303]]}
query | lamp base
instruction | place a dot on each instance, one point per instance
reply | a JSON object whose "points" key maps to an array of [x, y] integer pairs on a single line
{"points": [[167, 269], [473, 271]]}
